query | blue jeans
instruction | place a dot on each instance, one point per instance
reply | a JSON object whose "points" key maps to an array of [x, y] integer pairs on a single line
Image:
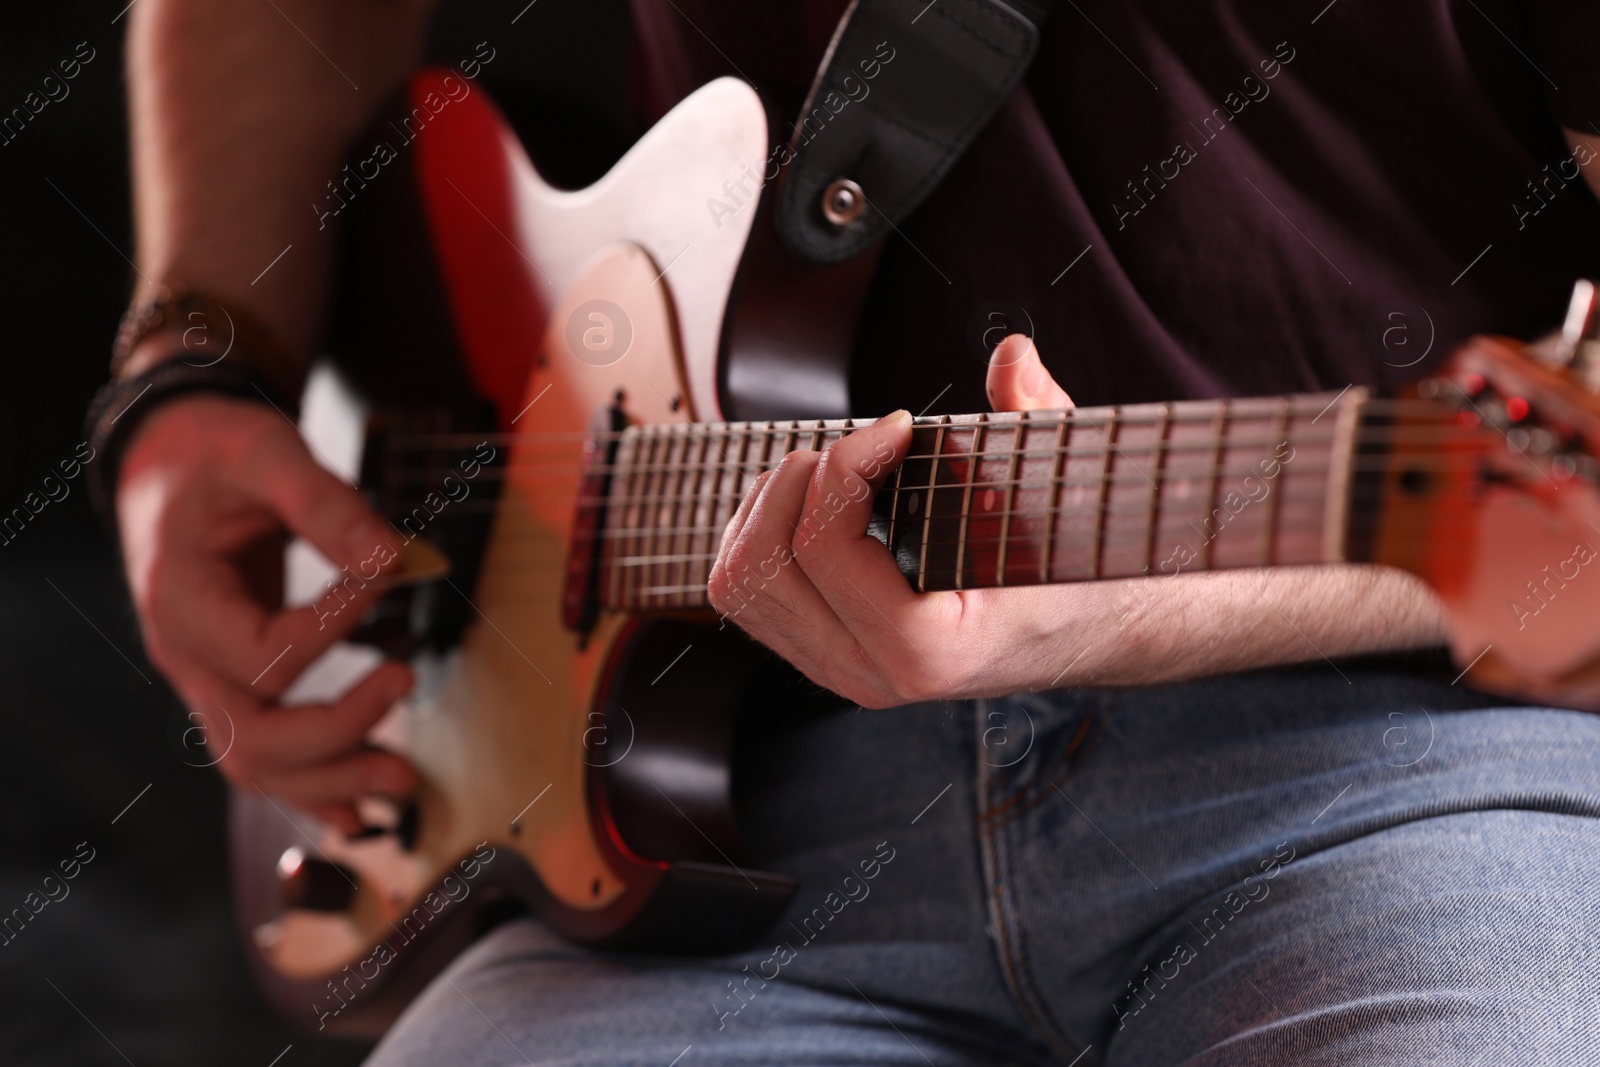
{"points": [[1275, 868]]}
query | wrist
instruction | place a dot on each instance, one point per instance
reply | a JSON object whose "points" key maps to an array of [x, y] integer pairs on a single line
{"points": [[180, 323], [122, 406]]}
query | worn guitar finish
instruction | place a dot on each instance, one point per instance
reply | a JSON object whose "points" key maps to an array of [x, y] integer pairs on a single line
{"points": [[571, 763]]}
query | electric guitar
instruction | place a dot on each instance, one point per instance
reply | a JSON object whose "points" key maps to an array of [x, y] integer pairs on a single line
{"points": [[554, 426]]}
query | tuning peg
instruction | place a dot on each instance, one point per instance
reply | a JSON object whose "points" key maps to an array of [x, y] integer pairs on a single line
{"points": [[314, 885]]}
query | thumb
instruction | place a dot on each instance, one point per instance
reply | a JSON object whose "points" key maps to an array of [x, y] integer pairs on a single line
{"points": [[317, 505], [1018, 380]]}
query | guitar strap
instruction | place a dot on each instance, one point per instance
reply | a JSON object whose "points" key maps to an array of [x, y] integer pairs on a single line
{"points": [[904, 89]]}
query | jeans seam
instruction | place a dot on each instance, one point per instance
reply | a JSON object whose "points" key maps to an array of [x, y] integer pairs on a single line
{"points": [[1009, 938], [1040, 787]]}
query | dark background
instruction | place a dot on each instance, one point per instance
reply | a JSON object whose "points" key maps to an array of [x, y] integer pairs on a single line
{"points": [[140, 962]]}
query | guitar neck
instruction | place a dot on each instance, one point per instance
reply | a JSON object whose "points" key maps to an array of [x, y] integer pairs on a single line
{"points": [[1013, 499]]}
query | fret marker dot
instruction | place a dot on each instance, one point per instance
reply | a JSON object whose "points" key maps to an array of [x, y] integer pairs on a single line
{"points": [[988, 500], [911, 504]]}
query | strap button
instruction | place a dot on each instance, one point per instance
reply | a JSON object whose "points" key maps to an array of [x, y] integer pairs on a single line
{"points": [[843, 202]]}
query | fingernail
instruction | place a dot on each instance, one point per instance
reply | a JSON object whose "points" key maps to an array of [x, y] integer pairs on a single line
{"points": [[1033, 381], [901, 416]]}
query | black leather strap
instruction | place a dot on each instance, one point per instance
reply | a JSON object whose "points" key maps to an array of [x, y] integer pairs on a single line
{"points": [[905, 87], [121, 404]]}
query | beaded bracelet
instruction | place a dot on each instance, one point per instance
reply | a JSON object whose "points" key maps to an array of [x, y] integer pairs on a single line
{"points": [[220, 350]]}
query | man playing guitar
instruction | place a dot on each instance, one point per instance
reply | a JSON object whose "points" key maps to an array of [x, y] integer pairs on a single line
{"points": [[1261, 824]]}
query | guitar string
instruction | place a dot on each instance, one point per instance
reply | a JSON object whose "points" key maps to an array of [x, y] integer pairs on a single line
{"points": [[1134, 533], [1127, 471], [1132, 415], [1125, 460], [1228, 478], [1406, 434], [1125, 456]]}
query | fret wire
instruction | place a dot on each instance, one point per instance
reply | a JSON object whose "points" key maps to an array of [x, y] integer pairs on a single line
{"points": [[602, 548], [688, 489], [1157, 467], [609, 574], [623, 482], [630, 448], [1097, 552], [1021, 429], [1269, 526], [691, 492], [718, 523], [669, 503], [966, 499], [1213, 475], [767, 451], [665, 499], [927, 511], [658, 500], [762, 446], [700, 504], [640, 513], [789, 439], [657, 509], [740, 488], [1053, 501], [713, 489], [635, 505]]}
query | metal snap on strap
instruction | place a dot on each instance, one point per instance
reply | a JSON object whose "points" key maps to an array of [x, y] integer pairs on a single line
{"points": [[843, 202]]}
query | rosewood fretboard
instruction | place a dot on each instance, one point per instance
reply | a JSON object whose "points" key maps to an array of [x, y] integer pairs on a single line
{"points": [[1012, 499]]}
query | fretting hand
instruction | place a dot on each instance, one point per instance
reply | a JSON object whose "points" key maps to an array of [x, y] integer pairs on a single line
{"points": [[840, 609], [830, 599]]}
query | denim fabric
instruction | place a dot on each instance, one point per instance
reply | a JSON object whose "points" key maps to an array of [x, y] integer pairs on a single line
{"points": [[1285, 868]]}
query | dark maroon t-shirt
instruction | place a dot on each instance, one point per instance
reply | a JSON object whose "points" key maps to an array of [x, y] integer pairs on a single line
{"points": [[1194, 198]]}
